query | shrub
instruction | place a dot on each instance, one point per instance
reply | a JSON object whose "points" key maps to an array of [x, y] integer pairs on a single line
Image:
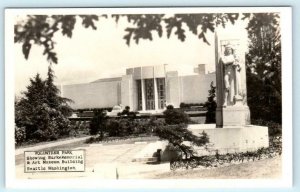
{"points": [[98, 122], [117, 127], [175, 116], [76, 127], [93, 140], [20, 135], [128, 126], [178, 134]]}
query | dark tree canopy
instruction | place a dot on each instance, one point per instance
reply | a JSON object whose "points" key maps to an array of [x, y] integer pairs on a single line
{"points": [[264, 66]]}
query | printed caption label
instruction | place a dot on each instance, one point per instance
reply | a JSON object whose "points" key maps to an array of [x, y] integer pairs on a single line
{"points": [[54, 161]]}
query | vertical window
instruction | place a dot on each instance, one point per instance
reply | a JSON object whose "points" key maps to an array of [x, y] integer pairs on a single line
{"points": [[161, 92], [149, 89], [139, 94]]}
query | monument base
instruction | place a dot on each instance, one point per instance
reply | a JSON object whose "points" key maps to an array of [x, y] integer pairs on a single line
{"points": [[233, 116], [231, 139]]}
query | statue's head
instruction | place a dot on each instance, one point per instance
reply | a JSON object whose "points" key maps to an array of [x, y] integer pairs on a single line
{"points": [[228, 50]]}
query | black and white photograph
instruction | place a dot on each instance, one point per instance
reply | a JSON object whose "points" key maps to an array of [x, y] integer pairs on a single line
{"points": [[149, 94]]}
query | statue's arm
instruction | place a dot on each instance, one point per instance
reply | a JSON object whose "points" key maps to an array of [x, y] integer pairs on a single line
{"points": [[236, 63], [227, 60]]}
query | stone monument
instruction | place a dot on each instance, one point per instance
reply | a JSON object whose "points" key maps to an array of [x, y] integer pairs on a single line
{"points": [[232, 108], [232, 131]]}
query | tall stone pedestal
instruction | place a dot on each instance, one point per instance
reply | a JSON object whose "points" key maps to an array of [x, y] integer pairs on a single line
{"points": [[233, 116], [236, 116]]}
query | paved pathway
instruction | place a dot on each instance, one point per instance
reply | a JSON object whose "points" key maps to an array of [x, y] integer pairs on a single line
{"points": [[109, 161]]}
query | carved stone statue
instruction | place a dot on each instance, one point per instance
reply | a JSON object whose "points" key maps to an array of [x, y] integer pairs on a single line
{"points": [[232, 70], [232, 108]]}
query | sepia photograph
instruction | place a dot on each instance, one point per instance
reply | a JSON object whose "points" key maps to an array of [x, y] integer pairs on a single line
{"points": [[149, 94]]}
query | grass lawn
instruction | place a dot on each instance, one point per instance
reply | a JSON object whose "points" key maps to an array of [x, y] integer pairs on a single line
{"points": [[263, 169]]}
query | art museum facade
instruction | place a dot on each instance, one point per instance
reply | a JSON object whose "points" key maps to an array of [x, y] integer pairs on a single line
{"points": [[149, 88]]}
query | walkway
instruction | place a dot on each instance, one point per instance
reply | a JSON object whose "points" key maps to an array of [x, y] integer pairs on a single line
{"points": [[48, 145], [105, 161]]}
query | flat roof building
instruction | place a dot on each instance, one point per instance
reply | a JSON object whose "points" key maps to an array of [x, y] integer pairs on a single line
{"points": [[149, 88]]}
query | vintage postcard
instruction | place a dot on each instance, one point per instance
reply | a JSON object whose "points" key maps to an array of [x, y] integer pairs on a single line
{"points": [[168, 97]]}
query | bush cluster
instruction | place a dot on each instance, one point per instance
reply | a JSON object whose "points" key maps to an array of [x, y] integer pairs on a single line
{"points": [[125, 126], [79, 128], [128, 124], [218, 160], [175, 116], [173, 128]]}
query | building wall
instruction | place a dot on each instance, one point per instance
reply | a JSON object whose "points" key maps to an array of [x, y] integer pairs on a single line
{"points": [[172, 91], [188, 89], [147, 72], [194, 88], [93, 95], [123, 90], [127, 91]]}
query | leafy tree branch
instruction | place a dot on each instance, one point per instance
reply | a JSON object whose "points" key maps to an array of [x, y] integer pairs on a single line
{"points": [[40, 29]]}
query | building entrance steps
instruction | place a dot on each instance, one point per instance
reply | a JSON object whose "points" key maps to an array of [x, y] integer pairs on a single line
{"points": [[147, 154]]}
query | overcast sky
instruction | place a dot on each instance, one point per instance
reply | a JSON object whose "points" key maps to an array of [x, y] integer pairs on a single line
{"points": [[90, 55]]}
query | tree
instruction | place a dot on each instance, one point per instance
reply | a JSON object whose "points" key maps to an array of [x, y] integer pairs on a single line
{"points": [[40, 29], [30, 110], [54, 100], [59, 105], [42, 111], [264, 66], [211, 105]]}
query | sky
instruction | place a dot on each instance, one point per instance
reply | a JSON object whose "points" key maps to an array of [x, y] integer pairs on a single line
{"points": [[93, 54]]}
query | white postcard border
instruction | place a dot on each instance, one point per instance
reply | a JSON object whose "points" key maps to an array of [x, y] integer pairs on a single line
{"points": [[287, 172]]}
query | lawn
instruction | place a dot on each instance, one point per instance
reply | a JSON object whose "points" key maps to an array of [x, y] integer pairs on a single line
{"points": [[262, 169]]}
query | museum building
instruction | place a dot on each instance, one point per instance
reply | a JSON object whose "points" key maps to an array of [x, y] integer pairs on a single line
{"points": [[149, 88]]}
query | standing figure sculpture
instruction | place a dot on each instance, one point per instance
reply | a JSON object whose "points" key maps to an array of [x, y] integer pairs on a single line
{"points": [[232, 70]]}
